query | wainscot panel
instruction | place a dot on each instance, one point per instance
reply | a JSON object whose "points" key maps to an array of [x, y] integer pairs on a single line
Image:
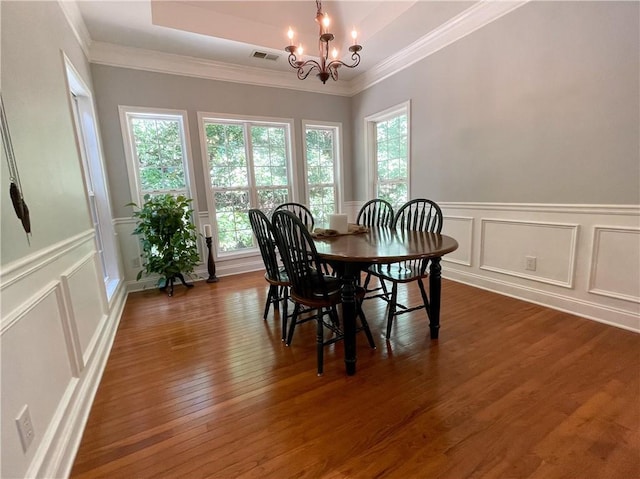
{"points": [[508, 246], [615, 264]]}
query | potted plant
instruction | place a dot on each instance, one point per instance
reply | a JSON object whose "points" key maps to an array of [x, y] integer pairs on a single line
{"points": [[169, 246]]}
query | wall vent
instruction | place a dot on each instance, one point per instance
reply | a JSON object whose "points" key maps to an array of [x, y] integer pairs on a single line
{"points": [[264, 55]]}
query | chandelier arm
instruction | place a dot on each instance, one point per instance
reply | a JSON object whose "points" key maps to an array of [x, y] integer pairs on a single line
{"points": [[311, 65], [292, 60], [355, 56], [337, 63]]}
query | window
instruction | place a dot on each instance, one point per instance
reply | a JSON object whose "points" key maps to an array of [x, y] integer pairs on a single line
{"points": [[322, 166], [388, 152], [249, 166], [157, 152], [95, 181]]}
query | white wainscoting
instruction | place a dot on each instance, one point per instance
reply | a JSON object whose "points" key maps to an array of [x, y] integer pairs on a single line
{"points": [[587, 256], [56, 331]]}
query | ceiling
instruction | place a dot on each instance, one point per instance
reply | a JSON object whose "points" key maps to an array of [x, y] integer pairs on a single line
{"points": [[231, 31]]}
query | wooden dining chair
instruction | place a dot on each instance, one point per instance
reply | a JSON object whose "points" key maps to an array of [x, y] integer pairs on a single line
{"points": [[309, 286], [275, 274], [376, 212], [416, 215], [301, 211]]}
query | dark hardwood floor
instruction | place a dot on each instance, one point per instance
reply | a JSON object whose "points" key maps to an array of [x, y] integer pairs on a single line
{"points": [[198, 385]]}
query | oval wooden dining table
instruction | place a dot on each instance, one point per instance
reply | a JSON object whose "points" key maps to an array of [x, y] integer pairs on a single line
{"points": [[349, 254]]}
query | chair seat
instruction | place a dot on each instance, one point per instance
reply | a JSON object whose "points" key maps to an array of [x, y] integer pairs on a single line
{"points": [[320, 290], [398, 272], [281, 280], [314, 298]]}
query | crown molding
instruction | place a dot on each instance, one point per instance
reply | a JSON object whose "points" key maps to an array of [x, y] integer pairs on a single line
{"points": [[473, 18], [76, 23], [151, 60]]}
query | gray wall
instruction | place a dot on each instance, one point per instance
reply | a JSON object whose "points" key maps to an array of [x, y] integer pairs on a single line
{"points": [[41, 126], [540, 106], [120, 86]]}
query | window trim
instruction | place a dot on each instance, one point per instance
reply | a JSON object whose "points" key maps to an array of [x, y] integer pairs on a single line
{"points": [[338, 167], [370, 144], [241, 120], [92, 159], [132, 170]]}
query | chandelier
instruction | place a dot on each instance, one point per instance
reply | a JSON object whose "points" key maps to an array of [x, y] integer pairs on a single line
{"points": [[325, 67]]}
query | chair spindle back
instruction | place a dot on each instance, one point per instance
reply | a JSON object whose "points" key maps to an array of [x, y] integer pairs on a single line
{"points": [[377, 212], [419, 215], [301, 211], [299, 255]]}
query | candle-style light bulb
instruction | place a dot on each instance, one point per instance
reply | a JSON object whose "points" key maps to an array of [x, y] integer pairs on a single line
{"points": [[334, 53], [326, 21], [290, 34], [300, 50], [354, 35]]}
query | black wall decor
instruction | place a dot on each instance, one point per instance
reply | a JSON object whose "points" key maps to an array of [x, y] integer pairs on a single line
{"points": [[15, 187]]}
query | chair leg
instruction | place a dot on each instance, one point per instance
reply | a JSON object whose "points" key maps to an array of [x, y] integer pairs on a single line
{"points": [[366, 281], [425, 300], [294, 320], [320, 342], [335, 319], [285, 307], [392, 308], [272, 295], [383, 285], [365, 326]]}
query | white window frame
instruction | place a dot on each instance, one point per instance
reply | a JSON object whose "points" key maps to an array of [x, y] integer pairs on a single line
{"points": [[241, 120], [127, 112], [338, 182], [90, 151], [370, 144]]}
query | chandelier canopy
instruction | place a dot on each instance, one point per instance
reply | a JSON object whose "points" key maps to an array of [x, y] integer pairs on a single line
{"points": [[326, 68]]}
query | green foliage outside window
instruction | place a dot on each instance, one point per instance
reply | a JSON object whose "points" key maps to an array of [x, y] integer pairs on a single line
{"points": [[158, 146], [239, 173], [320, 173], [392, 160]]}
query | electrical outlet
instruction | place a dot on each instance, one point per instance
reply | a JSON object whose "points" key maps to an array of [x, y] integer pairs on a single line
{"points": [[530, 263], [135, 263], [25, 428]]}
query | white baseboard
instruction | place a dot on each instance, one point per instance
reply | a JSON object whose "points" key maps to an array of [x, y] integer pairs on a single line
{"points": [[589, 310]]}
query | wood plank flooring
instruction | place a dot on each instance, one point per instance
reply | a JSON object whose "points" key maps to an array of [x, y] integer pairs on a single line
{"points": [[198, 385]]}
